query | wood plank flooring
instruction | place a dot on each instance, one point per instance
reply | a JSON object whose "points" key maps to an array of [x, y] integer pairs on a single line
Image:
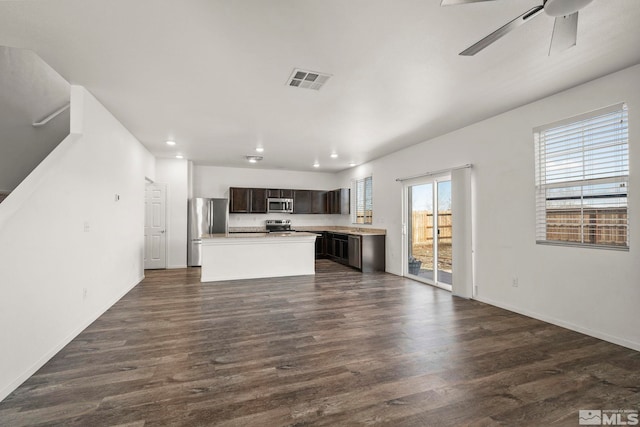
{"points": [[337, 349]]}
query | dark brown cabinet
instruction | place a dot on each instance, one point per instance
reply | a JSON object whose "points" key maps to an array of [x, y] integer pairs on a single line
{"points": [[247, 200], [258, 200], [239, 201], [321, 245], [280, 194], [364, 252], [338, 201], [301, 201], [254, 200], [318, 202]]}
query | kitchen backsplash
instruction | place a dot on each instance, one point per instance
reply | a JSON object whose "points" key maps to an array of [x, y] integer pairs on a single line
{"points": [[258, 220]]}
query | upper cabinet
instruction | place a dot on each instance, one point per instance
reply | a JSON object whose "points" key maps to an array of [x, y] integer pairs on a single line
{"points": [[247, 200], [258, 200], [239, 201], [338, 201], [309, 202], [319, 202], [280, 194], [254, 200], [301, 201]]}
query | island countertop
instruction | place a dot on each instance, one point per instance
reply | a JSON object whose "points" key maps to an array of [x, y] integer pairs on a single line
{"points": [[354, 231], [266, 235]]}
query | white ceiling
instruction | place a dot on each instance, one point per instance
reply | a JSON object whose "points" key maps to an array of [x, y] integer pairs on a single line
{"points": [[212, 74]]}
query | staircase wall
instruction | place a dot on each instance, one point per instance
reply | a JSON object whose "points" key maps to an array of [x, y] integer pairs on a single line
{"points": [[68, 249]]}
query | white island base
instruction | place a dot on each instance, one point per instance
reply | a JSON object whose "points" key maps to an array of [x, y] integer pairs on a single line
{"points": [[257, 255]]}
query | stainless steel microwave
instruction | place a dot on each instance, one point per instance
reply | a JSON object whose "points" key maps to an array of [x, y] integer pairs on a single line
{"points": [[279, 205]]}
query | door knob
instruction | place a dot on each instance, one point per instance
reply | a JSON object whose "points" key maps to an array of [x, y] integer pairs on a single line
{"points": [[162, 231]]}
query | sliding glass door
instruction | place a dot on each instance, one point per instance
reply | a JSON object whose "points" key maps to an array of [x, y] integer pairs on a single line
{"points": [[429, 232]]}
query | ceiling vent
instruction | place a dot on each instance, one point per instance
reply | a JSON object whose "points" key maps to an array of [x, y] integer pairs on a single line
{"points": [[253, 159], [307, 79]]}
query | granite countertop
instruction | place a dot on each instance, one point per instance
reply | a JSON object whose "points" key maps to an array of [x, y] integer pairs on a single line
{"points": [[244, 235], [356, 231]]}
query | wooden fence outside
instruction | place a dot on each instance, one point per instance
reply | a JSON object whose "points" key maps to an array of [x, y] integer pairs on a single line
{"points": [[422, 227], [599, 226]]}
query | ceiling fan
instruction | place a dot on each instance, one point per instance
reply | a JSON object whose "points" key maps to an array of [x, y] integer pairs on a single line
{"points": [[565, 28]]}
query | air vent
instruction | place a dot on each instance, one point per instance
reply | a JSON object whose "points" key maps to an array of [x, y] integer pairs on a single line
{"points": [[307, 79], [253, 159]]}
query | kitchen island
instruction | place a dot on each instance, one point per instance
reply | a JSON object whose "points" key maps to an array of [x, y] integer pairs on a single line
{"points": [[257, 255]]}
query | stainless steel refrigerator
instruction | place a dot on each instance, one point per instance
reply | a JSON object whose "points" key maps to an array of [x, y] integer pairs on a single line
{"points": [[206, 216]]}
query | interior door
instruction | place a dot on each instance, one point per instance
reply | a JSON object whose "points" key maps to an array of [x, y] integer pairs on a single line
{"points": [[155, 243]]}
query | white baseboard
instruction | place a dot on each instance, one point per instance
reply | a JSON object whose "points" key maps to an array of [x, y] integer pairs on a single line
{"points": [[171, 267], [49, 354], [596, 334]]}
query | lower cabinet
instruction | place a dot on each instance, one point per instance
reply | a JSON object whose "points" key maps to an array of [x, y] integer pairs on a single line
{"points": [[372, 253], [364, 252], [321, 251], [355, 251]]}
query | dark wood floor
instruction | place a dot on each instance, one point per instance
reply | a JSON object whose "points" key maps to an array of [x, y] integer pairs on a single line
{"points": [[338, 349]]}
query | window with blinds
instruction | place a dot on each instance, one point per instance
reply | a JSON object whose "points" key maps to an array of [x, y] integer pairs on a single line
{"points": [[582, 180], [363, 209]]}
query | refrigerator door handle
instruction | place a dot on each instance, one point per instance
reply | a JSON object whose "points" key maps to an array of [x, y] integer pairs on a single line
{"points": [[210, 219], [213, 216]]}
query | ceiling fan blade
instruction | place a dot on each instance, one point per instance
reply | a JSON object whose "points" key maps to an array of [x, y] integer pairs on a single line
{"points": [[528, 15], [565, 32], [452, 2]]}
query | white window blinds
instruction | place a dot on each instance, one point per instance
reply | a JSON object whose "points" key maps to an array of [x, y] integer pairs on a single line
{"points": [[363, 201], [582, 180]]}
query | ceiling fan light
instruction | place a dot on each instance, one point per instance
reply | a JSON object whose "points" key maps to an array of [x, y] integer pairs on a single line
{"points": [[564, 7]]}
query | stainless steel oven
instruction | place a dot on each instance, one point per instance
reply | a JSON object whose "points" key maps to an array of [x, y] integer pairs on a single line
{"points": [[279, 205], [279, 226]]}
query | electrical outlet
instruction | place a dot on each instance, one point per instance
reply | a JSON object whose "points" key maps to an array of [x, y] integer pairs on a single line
{"points": [[514, 282], [84, 293]]}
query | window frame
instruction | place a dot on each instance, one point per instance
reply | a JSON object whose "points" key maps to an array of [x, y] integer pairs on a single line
{"points": [[591, 174], [368, 191]]}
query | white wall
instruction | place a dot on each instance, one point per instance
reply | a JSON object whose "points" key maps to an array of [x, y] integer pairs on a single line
{"points": [[175, 173], [590, 290], [214, 181], [62, 232]]}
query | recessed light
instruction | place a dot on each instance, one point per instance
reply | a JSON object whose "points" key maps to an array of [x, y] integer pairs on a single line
{"points": [[316, 165], [172, 143], [352, 164], [260, 149], [334, 155], [179, 156]]}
